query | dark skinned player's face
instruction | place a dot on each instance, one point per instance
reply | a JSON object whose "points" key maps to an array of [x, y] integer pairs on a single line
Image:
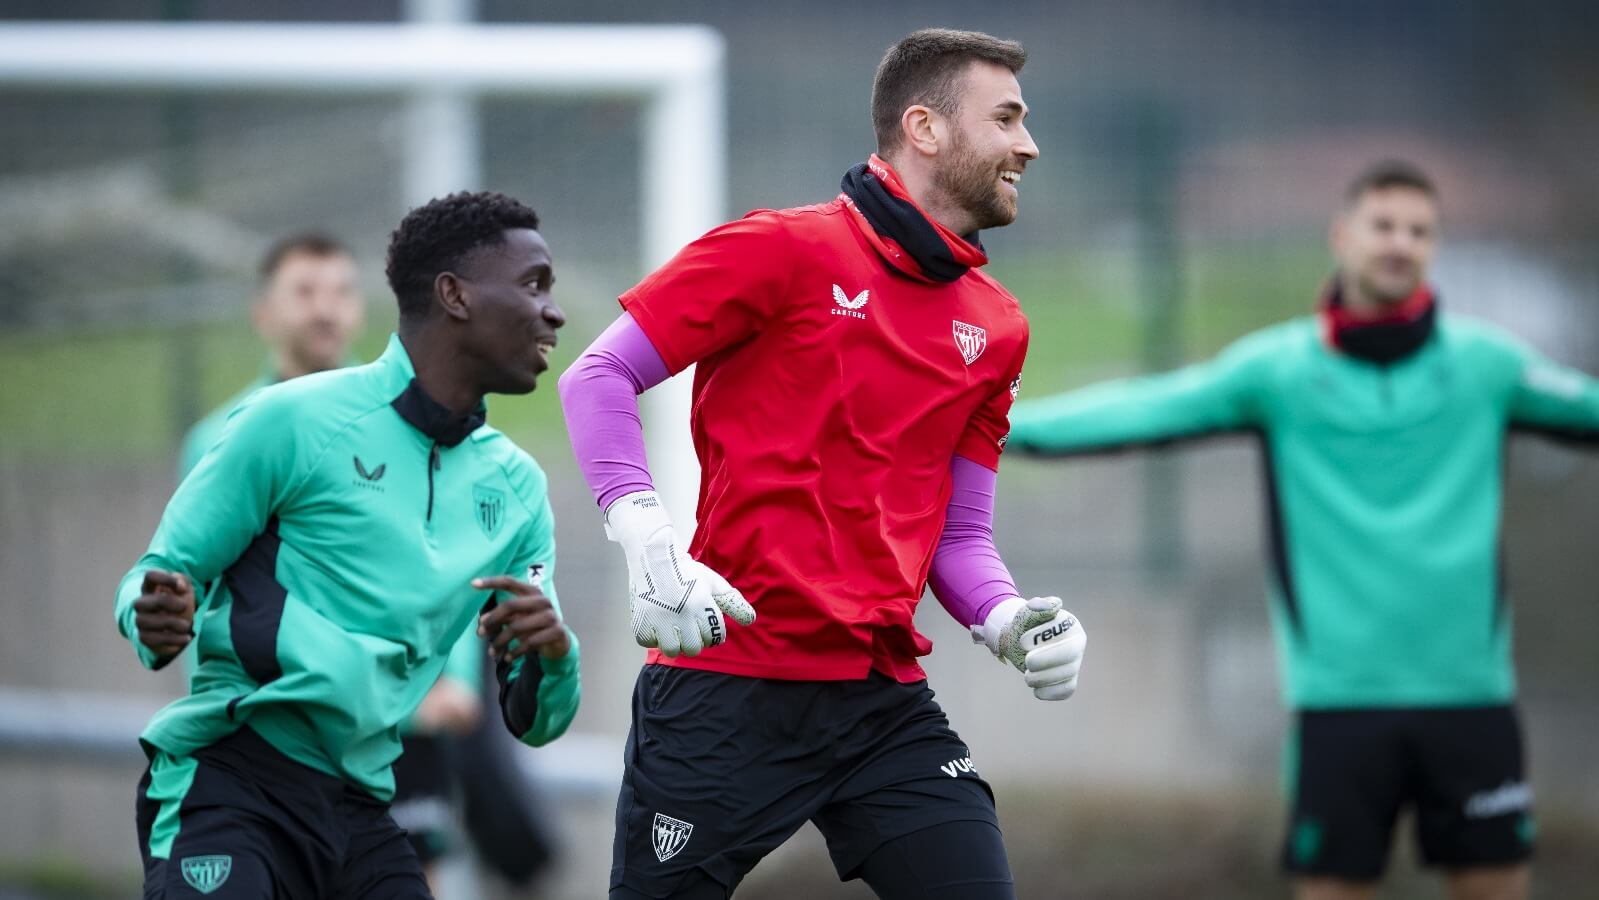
{"points": [[511, 331]]}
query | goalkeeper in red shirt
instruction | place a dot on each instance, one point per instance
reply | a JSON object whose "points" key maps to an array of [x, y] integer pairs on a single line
{"points": [[855, 371]]}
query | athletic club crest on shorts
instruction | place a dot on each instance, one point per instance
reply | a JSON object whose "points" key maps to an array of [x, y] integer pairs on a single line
{"points": [[206, 873], [488, 504], [971, 340], [670, 836]]}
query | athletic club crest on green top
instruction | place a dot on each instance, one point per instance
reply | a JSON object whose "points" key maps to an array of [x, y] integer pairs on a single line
{"points": [[206, 873], [489, 506]]}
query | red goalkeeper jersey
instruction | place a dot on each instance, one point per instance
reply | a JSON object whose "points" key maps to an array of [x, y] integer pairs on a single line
{"points": [[835, 382]]}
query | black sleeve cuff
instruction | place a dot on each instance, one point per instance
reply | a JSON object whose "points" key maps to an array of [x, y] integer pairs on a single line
{"points": [[519, 696]]}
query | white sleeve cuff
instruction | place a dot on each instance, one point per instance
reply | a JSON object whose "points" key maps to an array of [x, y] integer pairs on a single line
{"points": [[632, 518]]}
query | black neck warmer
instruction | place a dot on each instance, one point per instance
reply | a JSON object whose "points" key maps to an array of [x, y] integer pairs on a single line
{"points": [[900, 221], [1387, 339], [433, 419]]}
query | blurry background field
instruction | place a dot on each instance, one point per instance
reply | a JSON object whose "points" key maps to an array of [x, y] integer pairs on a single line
{"points": [[1191, 154]]}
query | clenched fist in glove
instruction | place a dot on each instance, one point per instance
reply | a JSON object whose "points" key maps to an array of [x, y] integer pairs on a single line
{"points": [[1038, 637], [678, 604]]}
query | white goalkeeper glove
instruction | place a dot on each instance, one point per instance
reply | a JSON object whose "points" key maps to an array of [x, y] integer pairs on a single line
{"points": [[678, 604], [1038, 637]]}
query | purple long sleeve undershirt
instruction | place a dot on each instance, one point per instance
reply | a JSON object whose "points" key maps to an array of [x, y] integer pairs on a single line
{"points": [[967, 575], [599, 395]]}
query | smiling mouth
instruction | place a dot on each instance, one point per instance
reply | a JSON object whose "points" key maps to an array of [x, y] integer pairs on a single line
{"points": [[545, 348], [1010, 177]]}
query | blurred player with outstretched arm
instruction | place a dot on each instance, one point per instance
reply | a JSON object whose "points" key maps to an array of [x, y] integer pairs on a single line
{"points": [[1383, 419]]}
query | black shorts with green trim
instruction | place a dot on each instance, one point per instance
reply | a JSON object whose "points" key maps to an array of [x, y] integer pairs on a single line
{"points": [[238, 820], [1352, 772]]}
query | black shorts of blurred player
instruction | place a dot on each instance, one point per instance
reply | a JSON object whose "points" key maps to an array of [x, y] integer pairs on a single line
{"points": [[1353, 771], [424, 797]]}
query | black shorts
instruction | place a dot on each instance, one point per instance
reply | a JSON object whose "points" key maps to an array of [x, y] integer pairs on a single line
{"points": [[1352, 772], [424, 796], [721, 769], [238, 819]]}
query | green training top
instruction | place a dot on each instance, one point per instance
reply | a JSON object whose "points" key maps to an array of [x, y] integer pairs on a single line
{"points": [[339, 520], [1385, 486], [205, 432], [465, 662]]}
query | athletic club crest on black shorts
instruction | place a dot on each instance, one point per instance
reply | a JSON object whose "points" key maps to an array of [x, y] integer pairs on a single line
{"points": [[488, 505], [971, 340], [206, 873], [670, 836]]}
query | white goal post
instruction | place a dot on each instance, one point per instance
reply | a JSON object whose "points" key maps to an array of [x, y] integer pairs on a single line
{"points": [[675, 72]]}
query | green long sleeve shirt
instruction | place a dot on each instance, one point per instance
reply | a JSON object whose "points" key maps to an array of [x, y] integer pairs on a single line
{"points": [[1385, 489], [205, 432], [339, 520], [465, 661]]}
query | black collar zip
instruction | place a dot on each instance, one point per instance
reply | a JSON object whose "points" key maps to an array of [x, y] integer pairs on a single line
{"points": [[434, 464], [446, 428]]}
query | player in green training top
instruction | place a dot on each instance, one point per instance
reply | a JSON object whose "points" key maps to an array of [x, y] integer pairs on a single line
{"points": [[352, 525], [1384, 423], [307, 309]]}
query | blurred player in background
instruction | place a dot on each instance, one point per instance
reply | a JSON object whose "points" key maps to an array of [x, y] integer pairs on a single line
{"points": [[855, 369], [424, 780], [1384, 423], [350, 527], [308, 308]]}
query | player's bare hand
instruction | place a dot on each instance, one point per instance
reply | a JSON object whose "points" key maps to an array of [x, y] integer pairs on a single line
{"points": [[523, 620], [164, 612], [450, 707]]}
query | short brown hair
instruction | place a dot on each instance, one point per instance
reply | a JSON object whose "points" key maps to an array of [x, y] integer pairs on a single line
{"points": [[309, 243], [1389, 173], [924, 69]]}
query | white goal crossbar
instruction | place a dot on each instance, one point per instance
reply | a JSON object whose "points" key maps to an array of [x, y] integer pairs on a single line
{"points": [[675, 71]]}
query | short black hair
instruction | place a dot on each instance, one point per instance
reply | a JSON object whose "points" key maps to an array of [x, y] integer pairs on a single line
{"points": [[434, 237], [924, 69], [1389, 173], [309, 243]]}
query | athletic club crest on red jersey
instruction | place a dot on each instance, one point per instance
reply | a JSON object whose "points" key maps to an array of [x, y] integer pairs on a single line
{"points": [[971, 340]]}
